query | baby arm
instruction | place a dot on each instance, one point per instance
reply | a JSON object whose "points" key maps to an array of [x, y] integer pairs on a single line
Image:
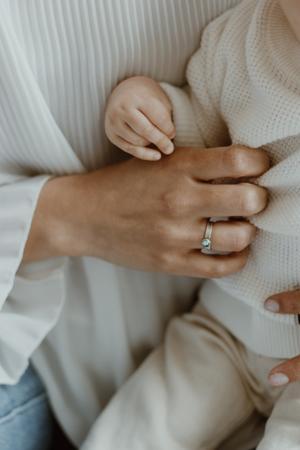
{"points": [[139, 114]]}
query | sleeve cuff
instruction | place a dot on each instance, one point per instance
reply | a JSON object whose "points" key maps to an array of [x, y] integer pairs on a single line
{"points": [[187, 132], [29, 304]]}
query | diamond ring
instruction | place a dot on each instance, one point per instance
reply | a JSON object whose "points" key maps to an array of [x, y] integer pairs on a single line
{"points": [[206, 242]]}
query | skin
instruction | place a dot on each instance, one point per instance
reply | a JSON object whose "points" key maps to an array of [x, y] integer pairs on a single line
{"points": [[163, 231], [139, 119]]}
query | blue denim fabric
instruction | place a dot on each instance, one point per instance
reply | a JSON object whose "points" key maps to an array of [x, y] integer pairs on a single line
{"points": [[25, 416]]}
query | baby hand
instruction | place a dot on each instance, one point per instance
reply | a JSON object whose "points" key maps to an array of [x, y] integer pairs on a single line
{"points": [[139, 114]]}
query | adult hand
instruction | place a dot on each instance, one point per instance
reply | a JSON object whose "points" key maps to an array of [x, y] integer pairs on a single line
{"points": [[285, 303], [152, 216]]}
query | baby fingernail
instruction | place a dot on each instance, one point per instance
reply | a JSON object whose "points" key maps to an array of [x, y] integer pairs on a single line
{"points": [[279, 379], [156, 156], [272, 305], [170, 148]]}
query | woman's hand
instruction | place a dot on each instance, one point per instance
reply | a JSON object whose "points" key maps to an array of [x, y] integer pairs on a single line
{"points": [[285, 303], [153, 216]]}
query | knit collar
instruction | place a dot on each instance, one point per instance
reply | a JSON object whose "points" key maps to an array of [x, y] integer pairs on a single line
{"points": [[273, 67]]}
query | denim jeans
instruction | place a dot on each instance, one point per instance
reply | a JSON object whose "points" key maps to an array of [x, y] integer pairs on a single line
{"points": [[25, 416]]}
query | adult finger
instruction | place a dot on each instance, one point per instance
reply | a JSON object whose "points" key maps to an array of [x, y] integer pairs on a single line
{"points": [[222, 162], [284, 303], [196, 264], [238, 200], [230, 236], [286, 372], [160, 116], [144, 127]]}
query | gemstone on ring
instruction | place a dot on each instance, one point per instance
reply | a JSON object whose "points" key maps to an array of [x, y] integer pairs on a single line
{"points": [[206, 244]]}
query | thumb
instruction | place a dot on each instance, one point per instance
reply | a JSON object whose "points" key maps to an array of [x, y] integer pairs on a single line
{"points": [[286, 372]]}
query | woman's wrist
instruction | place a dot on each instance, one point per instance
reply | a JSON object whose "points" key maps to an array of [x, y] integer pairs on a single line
{"points": [[59, 222]]}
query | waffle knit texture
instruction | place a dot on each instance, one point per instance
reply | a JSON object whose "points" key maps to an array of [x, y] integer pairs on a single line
{"points": [[243, 86]]}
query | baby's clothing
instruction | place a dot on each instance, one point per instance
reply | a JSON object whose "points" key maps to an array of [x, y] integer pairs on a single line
{"points": [[244, 87], [194, 391], [207, 378]]}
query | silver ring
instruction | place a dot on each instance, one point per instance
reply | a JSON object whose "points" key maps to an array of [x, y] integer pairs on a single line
{"points": [[206, 243]]}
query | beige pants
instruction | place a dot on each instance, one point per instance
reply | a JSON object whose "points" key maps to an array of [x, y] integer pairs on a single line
{"points": [[194, 391]]}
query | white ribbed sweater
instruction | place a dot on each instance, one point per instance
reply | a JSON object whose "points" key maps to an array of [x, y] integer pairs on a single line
{"points": [[244, 86], [59, 61]]}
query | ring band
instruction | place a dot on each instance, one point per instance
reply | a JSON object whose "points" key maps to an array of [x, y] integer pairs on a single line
{"points": [[206, 243]]}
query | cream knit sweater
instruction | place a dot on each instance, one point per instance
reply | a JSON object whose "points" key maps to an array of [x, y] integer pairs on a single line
{"points": [[244, 86]]}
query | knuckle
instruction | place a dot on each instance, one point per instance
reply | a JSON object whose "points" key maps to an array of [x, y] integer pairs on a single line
{"points": [[214, 269], [155, 105], [166, 262], [148, 130], [241, 238], [177, 203], [163, 231], [142, 142], [136, 97], [138, 140], [164, 116], [162, 141], [171, 202], [220, 270], [133, 118], [166, 122], [238, 160], [123, 106]]}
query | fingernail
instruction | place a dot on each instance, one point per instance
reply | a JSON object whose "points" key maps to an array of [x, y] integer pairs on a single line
{"points": [[155, 156], [279, 379], [272, 305], [170, 149]]}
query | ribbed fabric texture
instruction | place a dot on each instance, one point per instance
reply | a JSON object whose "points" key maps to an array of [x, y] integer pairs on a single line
{"points": [[59, 60], [244, 86], [78, 50]]}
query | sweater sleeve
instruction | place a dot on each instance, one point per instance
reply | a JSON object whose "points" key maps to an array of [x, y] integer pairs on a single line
{"points": [[30, 144], [26, 315], [197, 106]]}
